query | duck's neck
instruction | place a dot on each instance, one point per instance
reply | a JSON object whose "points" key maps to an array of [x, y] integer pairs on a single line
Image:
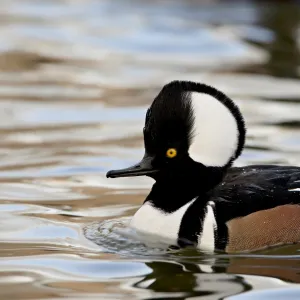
{"points": [[172, 193]]}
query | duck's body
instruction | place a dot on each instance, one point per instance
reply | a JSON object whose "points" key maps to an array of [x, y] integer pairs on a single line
{"points": [[198, 198], [253, 208]]}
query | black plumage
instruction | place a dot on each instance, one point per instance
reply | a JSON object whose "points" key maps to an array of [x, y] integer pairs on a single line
{"points": [[257, 187]]}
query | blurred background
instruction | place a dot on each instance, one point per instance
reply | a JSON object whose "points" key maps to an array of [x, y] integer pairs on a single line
{"points": [[76, 77]]}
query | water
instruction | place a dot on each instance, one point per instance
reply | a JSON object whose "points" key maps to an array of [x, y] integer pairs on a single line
{"points": [[75, 80]]}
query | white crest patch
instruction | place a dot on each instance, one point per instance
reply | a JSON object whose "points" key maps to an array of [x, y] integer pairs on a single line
{"points": [[206, 239], [215, 138], [155, 227]]}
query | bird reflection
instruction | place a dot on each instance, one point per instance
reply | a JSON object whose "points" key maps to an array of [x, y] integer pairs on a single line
{"points": [[175, 280], [219, 276]]}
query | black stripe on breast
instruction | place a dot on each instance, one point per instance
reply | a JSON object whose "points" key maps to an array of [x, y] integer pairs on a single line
{"points": [[221, 231], [191, 224]]}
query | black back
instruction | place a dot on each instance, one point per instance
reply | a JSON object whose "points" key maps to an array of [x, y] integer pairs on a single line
{"points": [[252, 188]]}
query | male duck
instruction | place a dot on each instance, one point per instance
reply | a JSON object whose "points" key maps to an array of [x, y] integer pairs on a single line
{"points": [[192, 135]]}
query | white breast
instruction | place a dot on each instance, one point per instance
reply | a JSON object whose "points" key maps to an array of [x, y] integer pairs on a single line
{"points": [[206, 240], [155, 227], [159, 229]]}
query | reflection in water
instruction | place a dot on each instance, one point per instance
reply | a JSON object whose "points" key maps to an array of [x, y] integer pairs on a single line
{"points": [[285, 269], [76, 78], [283, 20], [184, 280], [181, 281]]}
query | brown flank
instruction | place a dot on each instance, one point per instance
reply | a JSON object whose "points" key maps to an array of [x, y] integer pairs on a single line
{"points": [[265, 228]]}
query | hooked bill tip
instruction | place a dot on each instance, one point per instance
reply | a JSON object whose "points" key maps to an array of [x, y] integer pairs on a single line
{"points": [[109, 174]]}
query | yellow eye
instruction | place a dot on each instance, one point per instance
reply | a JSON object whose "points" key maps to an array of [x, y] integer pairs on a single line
{"points": [[171, 153]]}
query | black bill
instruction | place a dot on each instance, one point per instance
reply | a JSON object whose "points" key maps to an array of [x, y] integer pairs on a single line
{"points": [[144, 167]]}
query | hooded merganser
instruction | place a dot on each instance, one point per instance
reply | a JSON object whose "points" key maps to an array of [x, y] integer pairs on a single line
{"points": [[192, 135]]}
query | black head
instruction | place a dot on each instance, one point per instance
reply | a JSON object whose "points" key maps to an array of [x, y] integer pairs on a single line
{"points": [[191, 130]]}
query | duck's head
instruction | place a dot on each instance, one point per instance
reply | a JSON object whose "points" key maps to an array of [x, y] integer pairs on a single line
{"points": [[190, 128]]}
